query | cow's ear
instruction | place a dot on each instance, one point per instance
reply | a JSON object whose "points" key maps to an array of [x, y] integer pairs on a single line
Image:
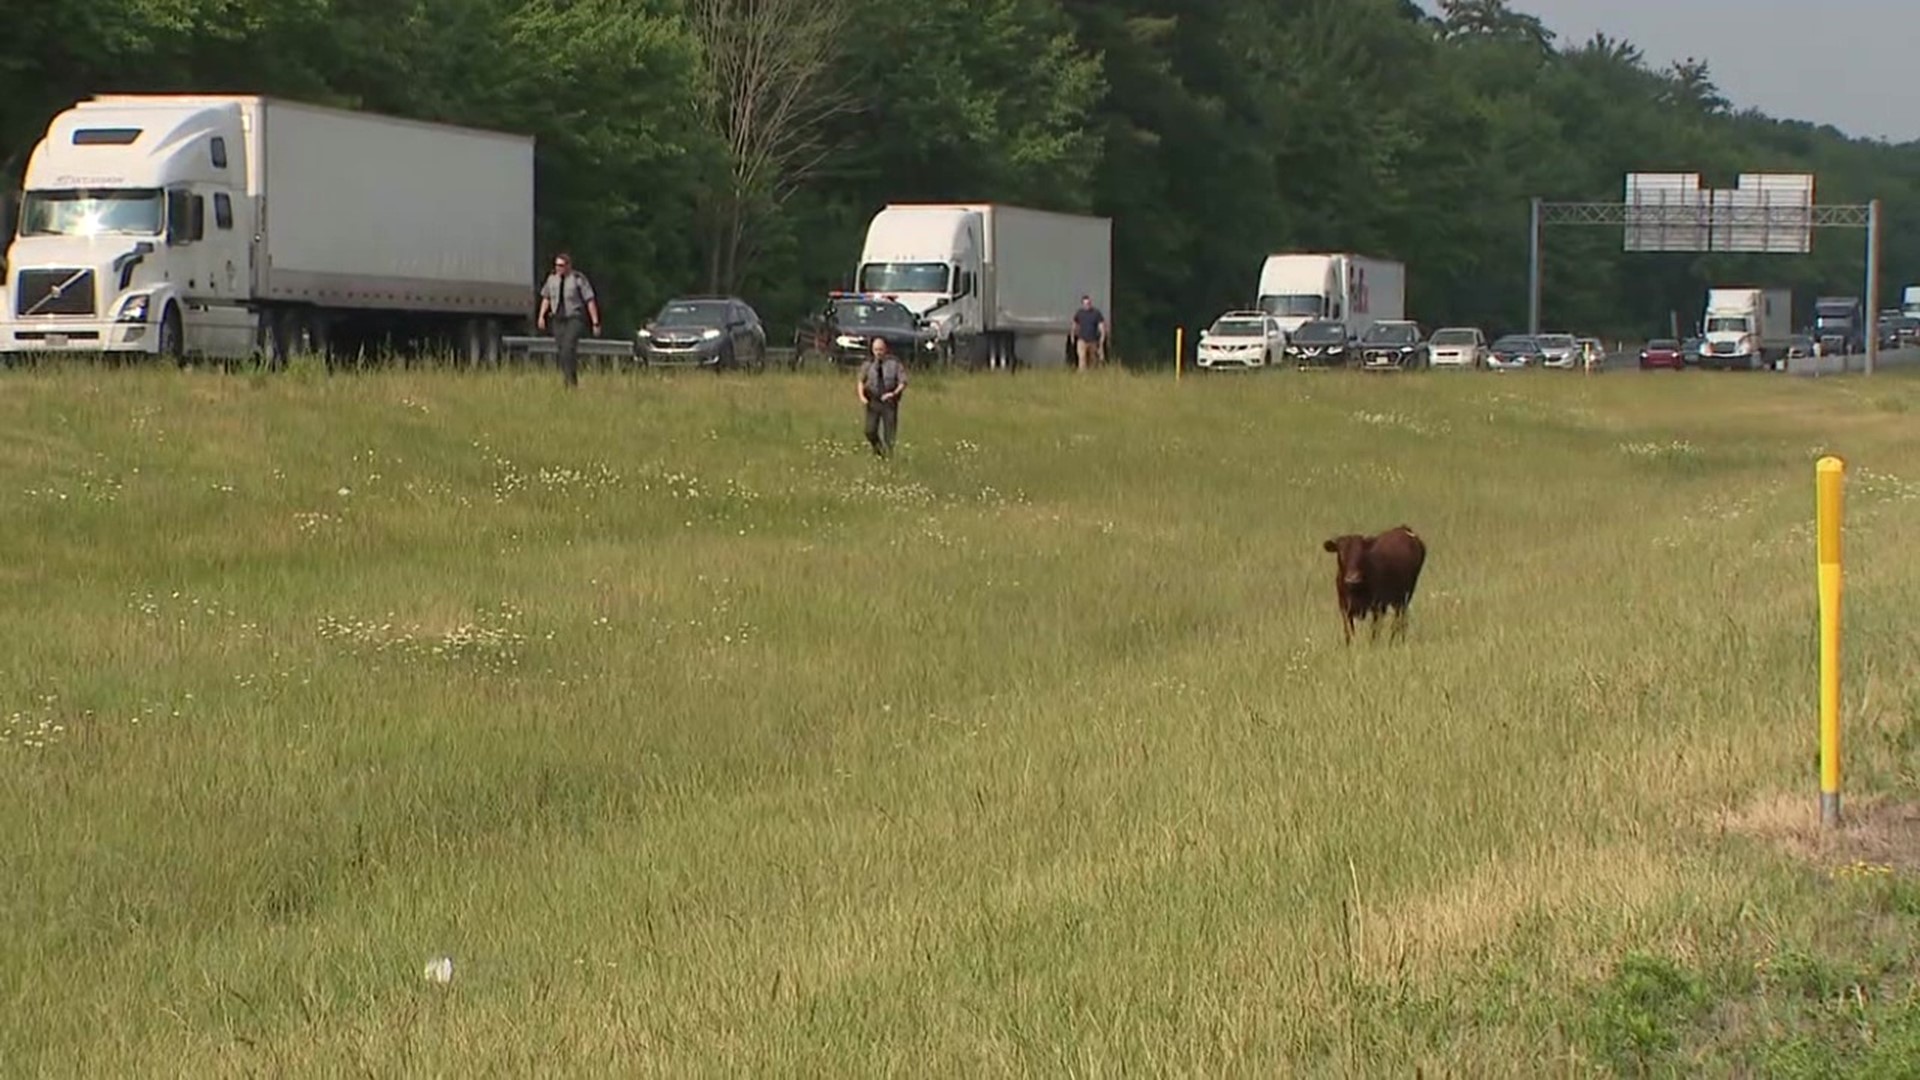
{"points": [[1331, 546]]}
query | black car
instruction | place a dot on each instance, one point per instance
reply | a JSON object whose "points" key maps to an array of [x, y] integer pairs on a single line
{"points": [[1899, 331], [717, 332], [1515, 351], [1318, 343], [843, 331], [1394, 344]]}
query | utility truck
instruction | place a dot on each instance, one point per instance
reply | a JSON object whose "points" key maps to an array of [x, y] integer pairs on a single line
{"points": [[993, 284], [1747, 329], [1355, 290], [229, 226]]}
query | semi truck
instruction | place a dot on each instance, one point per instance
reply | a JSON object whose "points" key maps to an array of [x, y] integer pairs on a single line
{"points": [[996, 285], [1838, 327], [1357, 290], [1746, 329], [235, 226]]}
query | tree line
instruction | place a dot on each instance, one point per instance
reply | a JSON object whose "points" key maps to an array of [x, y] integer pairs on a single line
{"points": [[741, 145]]}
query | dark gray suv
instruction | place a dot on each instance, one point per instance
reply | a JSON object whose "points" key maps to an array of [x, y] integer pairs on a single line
{"points": [[718, 332]]}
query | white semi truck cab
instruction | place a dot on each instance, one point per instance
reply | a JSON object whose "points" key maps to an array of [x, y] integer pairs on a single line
{"points": [[929, 260], [1356, 290], [1746, 328], [130, 216]]}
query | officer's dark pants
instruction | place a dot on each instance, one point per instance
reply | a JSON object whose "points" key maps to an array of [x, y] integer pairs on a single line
{"points": [[883, 423], [566, 339]]}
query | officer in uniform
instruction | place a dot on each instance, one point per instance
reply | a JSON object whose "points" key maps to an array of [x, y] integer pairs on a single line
{"points": [[567, 302], [882, 380]]}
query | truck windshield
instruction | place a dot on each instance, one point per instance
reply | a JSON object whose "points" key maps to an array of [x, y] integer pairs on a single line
{"points": [[904, 277], [81, 212], [1727, 324], [1292, 304], [1390, 334]]}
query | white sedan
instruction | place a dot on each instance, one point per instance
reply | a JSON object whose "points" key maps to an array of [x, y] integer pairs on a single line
{"points": [[1242, 340]]}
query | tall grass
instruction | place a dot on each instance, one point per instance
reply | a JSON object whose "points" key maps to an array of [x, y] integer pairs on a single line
{"points": [[706, 744]]}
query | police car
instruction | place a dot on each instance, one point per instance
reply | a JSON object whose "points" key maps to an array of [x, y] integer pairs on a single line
{"points": [[843, 330]]}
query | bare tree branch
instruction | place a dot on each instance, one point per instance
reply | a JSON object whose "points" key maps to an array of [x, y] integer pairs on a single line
{"points": [[772, 86]]}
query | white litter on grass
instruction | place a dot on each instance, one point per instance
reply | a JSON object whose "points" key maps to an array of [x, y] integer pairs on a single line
{"points": [[440, 970]]}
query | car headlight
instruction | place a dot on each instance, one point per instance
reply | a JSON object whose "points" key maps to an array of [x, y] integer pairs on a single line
{"points": [[709, 334], [134, 309]]}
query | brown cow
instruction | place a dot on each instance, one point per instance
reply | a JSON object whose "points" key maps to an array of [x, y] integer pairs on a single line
{"points": [[1377, 573]]}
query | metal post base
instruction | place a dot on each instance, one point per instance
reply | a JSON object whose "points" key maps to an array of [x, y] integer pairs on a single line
{"points": [[1830, 809]]}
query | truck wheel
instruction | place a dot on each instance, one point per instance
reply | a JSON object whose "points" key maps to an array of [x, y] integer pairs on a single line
{"points": [[170, 347]]}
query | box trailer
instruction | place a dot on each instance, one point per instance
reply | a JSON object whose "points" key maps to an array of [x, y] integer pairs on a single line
{"points": [[237, 225], [997, 284]]}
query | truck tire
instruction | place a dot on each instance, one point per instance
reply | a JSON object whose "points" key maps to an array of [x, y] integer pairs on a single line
{"points": [[473, 342], [170, 346]]}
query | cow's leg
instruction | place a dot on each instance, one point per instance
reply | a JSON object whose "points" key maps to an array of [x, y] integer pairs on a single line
{"points": [[1346, 621], [1400, 621], [1373, 633]]}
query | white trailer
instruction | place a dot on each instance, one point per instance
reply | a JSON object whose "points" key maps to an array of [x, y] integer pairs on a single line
{"points": [[1746, 328], [1357, 290], [1910, 301], [997, 284], [236, 225]]}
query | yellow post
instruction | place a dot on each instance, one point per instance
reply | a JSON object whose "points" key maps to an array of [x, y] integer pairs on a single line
{"points": [[1179, 352], [1828, 473]]}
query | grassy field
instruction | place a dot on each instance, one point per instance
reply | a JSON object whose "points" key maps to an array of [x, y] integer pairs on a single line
{"points": [[704, 744]]}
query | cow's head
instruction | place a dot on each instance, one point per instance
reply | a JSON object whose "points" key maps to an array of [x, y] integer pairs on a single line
{"points": [[1350, 551]]}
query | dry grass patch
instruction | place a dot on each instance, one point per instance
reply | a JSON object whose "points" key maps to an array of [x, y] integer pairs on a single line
{"points": [[1876, 834]]}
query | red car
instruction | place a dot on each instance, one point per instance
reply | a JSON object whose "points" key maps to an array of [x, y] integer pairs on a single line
{"points": [[1662, 353]]}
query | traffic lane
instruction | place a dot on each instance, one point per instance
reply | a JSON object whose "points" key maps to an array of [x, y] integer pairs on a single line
{"points": [[1888, 358]]}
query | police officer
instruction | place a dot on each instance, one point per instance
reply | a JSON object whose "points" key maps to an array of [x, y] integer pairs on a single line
{"points": [[882, 380], [567, 301]]}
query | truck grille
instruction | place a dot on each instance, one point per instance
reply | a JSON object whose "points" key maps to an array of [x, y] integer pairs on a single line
{"points": [[36, 292]]}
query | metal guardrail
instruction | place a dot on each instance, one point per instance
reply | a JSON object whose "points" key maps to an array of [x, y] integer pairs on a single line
{"points": [[541, 345], [534, 346]]}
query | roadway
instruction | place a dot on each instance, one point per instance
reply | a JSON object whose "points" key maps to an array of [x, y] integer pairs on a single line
{"points": [[1816, 365]]}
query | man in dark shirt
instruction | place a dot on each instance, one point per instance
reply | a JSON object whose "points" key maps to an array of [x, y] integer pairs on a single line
{"points": [[1089, 333], [882, 380]]}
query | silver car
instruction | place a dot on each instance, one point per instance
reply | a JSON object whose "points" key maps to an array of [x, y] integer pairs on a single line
{"points": [[1558, 351]]}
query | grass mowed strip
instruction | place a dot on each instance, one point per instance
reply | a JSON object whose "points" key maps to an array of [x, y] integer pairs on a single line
{"points": [[704, 743]]}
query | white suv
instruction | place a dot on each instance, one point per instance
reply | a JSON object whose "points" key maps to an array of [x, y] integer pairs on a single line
{"points": [[1457, 346], [1242, 339]]}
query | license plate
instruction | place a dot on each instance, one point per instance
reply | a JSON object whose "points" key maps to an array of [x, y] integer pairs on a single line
{"points": [[56, 341]]}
